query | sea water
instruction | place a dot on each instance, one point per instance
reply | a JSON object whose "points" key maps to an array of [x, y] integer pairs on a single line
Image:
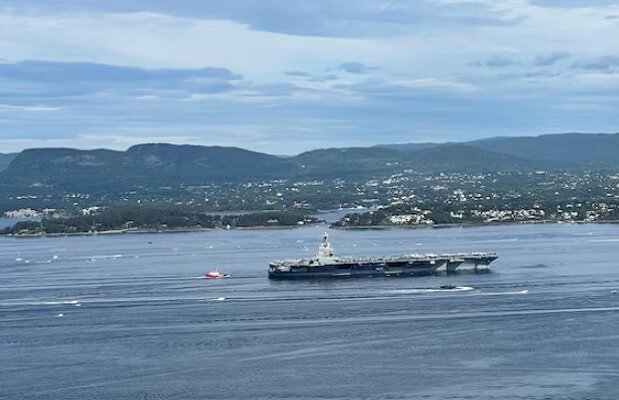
{"points": [[132, 317]]}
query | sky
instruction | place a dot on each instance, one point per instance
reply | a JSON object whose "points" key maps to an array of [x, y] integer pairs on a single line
{"points": [[282, 76]]}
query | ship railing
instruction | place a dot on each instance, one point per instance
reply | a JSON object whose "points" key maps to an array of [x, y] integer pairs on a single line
{"points": [[415, 257], [472, 254]]}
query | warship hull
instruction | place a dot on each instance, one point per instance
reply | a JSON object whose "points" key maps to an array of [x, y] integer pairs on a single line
{"points": [[355, 270], [369, 268]]}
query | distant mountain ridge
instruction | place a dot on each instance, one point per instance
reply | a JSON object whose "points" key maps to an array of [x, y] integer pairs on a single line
{"points": [[587, 149], [155, 165], [146, 164], [456, 157], [579, 149]]}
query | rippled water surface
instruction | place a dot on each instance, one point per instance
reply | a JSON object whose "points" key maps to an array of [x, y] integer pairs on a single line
{"points": [[130, 317]]}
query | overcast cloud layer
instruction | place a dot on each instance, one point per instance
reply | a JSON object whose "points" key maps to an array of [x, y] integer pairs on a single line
{"points": [[285, 76]]}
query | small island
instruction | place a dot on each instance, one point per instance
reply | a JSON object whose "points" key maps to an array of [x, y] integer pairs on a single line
{"points": [[151, 219]]}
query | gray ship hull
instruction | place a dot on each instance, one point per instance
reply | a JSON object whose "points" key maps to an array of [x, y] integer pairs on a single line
{"points": [[366, 268]]}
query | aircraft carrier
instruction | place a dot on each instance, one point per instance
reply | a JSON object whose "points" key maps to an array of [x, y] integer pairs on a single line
{"points": [[326, 265]]}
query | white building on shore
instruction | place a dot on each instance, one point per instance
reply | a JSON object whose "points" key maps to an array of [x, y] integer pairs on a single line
{"points": [[23, 213]]}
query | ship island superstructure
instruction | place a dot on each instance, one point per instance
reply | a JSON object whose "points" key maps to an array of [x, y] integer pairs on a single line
{"points": [[325, 264]]}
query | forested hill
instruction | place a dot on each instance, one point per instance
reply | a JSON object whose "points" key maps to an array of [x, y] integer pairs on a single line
{"points": [[148, 164], [591, 150], [350, 162], [165, 164], [579, 150], [5, 160], [156, 165]]}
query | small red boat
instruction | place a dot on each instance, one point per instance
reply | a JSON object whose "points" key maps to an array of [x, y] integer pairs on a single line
{"points": [[216, 275]]}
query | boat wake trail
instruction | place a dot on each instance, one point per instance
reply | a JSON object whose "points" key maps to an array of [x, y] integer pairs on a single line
{"points": [[40, 303], [431, 290], [516, 292], [379, 319]]}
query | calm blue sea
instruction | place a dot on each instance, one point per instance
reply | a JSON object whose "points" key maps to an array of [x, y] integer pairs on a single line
{"points": [[130, 317]]}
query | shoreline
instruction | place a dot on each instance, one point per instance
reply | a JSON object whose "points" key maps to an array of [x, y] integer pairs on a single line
{"points": [[469, 225], [147, 231], [266, 228]]}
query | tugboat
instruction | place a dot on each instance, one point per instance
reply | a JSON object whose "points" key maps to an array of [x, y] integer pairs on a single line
{"points": [[326, 265], [216, 275]]}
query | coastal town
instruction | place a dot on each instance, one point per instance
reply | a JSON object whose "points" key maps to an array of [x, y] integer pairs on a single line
{"points": [[403, 199]]}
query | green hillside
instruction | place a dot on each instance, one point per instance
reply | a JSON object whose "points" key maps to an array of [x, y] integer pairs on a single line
{"points": [[5, 160], [439, 158], [351, 161], [142, 165], [590, 150]]}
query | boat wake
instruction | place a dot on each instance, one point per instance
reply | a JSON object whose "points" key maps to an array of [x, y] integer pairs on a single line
{"points": [[432, 290], [454, 289], [40, 303], [516, 292], [102, 257], [378, 296], [380, 319]]}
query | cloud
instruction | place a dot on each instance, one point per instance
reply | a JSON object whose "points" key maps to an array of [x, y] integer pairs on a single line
{"points": [[36, 70], [603, 63], [299, 74], [412, 89], [325, 78], [496, 61], [159, 41], [551, 58], [573, 3], [327, 18], [274, 75], [57, 79], [34, 108], [355, 67]]}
